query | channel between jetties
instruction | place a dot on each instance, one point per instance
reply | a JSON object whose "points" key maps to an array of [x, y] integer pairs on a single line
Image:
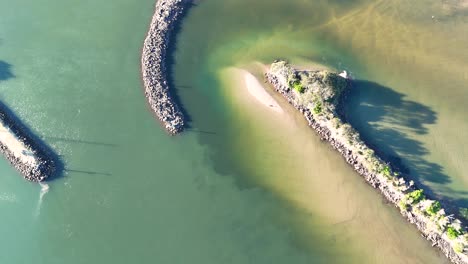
{"points": [[318, 95], [154, 61], [326, 91]]}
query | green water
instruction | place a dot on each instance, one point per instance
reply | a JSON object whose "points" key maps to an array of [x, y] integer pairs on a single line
{"points": [[223, 192]]}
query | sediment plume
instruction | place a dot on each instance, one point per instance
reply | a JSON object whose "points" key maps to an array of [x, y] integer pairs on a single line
{"points": [[318, 95], [154, 63]]}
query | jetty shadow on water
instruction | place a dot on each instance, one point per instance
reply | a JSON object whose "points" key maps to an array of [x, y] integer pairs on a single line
{"points": [[5, 71], [16, 124], [88, 172], [79, 141], [385, 120], [201, 131], [171, 61]]}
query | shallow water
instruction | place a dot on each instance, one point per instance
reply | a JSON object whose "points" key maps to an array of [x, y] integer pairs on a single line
{"points": [[222, 192]]}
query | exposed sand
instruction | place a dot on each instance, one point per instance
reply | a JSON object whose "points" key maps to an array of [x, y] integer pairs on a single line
{"points": [[323, 187], [256, 89], [17, 147]]}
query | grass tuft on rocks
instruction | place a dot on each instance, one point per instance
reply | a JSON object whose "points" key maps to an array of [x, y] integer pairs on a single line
{"points": [[415, 196], [452, 233], [434, 208]]}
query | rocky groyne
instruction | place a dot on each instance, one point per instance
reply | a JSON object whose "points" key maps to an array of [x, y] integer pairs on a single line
{"points": [[22, 150], [154, 63], [318, 95]]}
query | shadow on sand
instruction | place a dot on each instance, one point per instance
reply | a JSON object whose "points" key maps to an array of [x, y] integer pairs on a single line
{"points": [[385, 120]]}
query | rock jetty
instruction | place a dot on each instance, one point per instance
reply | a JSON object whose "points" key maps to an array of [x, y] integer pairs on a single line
{"points": [[318, 95], [154, 63], [24, 152]]}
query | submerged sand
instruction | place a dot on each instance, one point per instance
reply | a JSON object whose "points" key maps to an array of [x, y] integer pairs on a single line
{"points": [[290, 160]]}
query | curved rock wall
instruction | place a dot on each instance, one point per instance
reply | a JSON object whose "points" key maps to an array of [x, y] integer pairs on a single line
{"points": [[154, 60]]}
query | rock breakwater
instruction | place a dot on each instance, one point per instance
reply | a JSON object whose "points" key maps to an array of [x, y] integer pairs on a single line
{"points": [[22, 150], [154, 63], [318, 96]]}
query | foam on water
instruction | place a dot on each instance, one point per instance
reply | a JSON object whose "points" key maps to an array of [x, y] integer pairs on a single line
{"points": [[44, 189]]}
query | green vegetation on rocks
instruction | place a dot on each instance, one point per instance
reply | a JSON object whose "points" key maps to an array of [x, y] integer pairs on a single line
{"points": [[452, 233], [317, 94], [402, 204], [318, 108], [434, 208], [386, 171], [319, 91], [295, 82], [298, 86], [415, 196], [458, 247]]}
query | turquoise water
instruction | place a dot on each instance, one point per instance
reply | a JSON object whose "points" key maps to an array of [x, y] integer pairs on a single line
{"points": [[218, 193]]}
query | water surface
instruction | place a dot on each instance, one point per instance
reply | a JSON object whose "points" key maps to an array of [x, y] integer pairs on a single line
{"points": [[234, 188]]}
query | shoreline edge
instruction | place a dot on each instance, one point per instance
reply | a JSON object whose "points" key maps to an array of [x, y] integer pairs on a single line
{"points": [[312, 93]]}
